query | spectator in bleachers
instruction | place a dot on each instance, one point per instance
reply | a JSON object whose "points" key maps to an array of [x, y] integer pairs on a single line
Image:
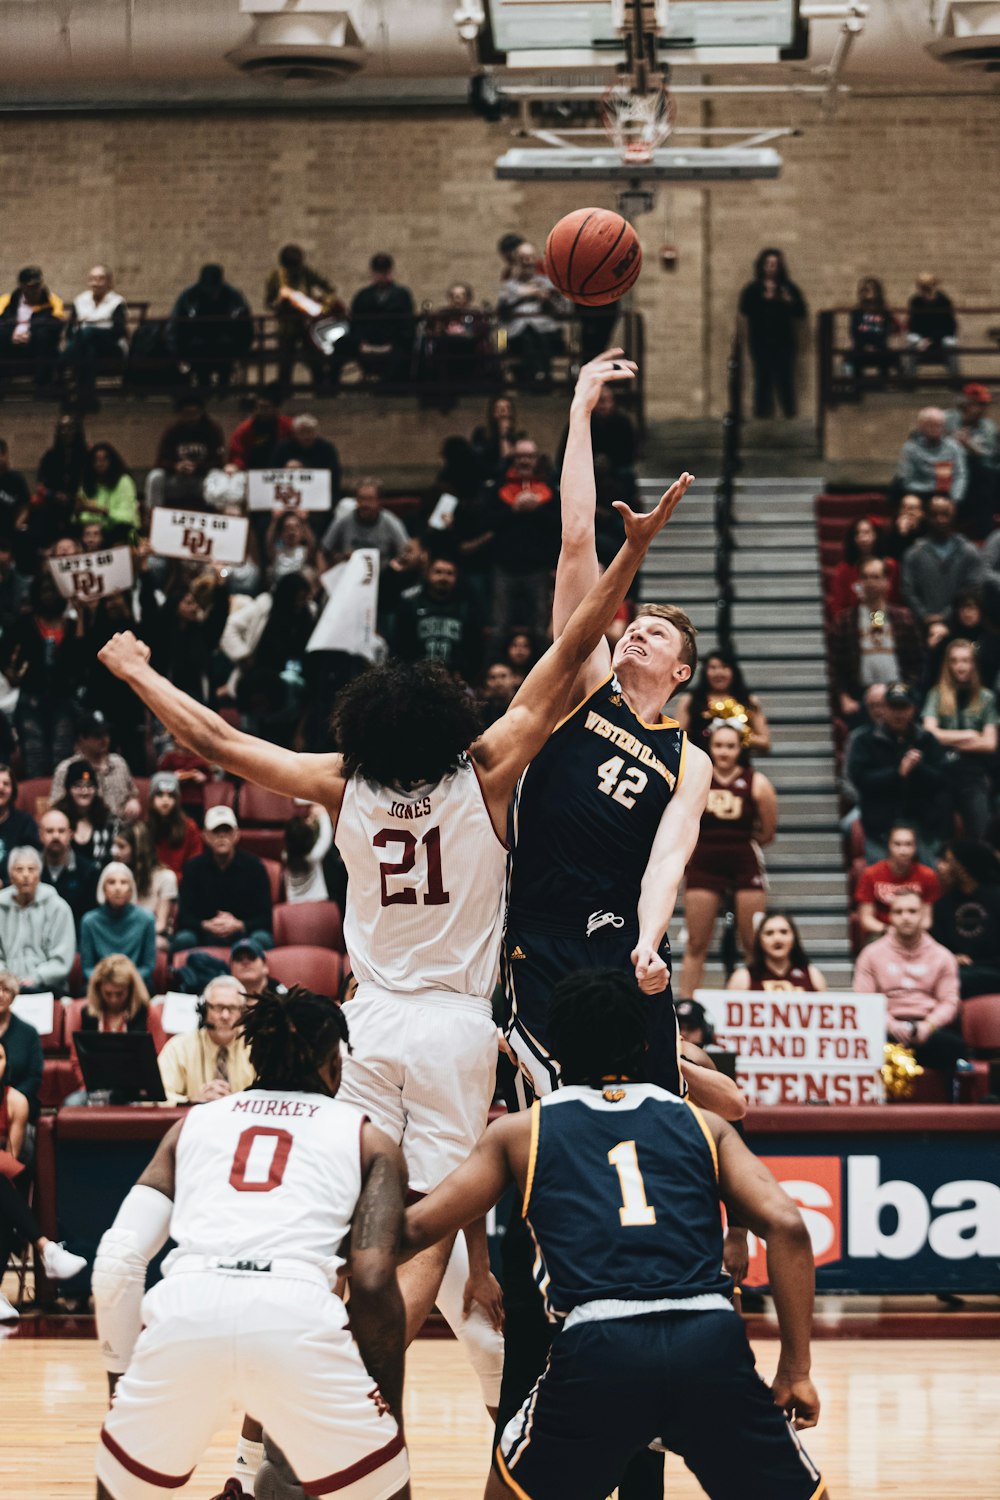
{"points": [[456, 339], [741, 817], [368, 524], [873, 326], [73, 876], [967, 915], [406, 571], [291, 280], [493, 440], [519, 652], [919, 979], [969, 425], [771, 305], [271, 630], [862, 540], [930, 462], [108, 698], [107, 495], [210, 327], [507, 247], [14, 492], [225, 892], [908, 526], [497, 692], [305, 449], [255, 440], [721, 693], [155, 886], [22, 1044], [962, 715], [37, 935], [118, 925], [308, 839], [13, 584], [901, 774], [529, 308], [778, 960], [523, 513], [16, 827], [382, 322], [943, 565], [931, 328], [290, 547], [198, 1066], [189, 449], [184, 630], [967, 622], [42, 656], [117, 1000], [440, 621], [901, 871], [32, 320], [175, 837], [115, 781], [96, 330], [871, 642], [87, 811], [53, 505], [248, 965]]}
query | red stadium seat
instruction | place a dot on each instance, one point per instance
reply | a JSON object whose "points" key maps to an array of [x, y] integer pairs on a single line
{"points": [[58, 1080], [318, 923], [33, 795], [276, 875], [74, 1014], [316, 968], [981, 1025], [261, 809], [76, 985], [142, 787], [54, 1041], [218, 794], [266, 843], [161, 974]]}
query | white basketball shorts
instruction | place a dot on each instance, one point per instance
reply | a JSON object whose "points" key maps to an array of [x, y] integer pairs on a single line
{"points": [[219, 1342], [423, 1069]]}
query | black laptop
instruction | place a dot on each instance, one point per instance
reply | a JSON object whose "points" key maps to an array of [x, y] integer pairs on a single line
{"points": [[122, 1064]]}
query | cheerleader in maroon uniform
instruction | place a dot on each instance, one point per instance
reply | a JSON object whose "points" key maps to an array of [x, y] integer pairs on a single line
{"points": [[778, 960], [741, 815]]}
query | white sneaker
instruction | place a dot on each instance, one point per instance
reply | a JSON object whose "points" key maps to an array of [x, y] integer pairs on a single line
{"points": [[61, 1264], [8, 1312]]}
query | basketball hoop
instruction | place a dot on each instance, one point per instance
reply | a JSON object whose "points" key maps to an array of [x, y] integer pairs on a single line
{"points": [[638, 123]]}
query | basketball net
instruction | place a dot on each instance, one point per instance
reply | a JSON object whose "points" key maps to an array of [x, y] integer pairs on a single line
{"points": [[638, 123]]}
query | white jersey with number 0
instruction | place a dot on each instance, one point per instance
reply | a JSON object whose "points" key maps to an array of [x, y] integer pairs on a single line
{"points": [[425, 885], [267, 1174]]}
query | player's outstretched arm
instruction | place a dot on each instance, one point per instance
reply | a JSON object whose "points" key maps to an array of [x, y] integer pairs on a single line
{"points": [[754, 1198], [378, 1317], [315, 778], [708, 1087], [508, 745], [673, 846], [473, 1188]]}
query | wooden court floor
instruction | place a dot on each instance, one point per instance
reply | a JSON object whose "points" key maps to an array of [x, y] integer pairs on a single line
{"points": [[902, 1418]]}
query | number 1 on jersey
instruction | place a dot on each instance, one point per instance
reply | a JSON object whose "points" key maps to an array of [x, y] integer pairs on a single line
{"points": [[635, 1211]]}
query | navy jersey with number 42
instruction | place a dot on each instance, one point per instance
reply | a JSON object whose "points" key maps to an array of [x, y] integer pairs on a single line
{"points": [[622, 1198], [586, 813]]}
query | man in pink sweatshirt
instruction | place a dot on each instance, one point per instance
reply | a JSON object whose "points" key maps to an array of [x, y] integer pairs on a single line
{"points": [[919, 979]]}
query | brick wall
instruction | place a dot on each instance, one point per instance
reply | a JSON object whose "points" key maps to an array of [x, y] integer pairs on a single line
{"points": [[889, 187]]}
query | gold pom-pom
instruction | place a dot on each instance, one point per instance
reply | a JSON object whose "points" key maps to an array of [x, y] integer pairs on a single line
{"points": [[732, 713], [900, 1071]]}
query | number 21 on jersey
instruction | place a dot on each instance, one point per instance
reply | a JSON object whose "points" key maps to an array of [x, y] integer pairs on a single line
{"points": [[613, 784]]}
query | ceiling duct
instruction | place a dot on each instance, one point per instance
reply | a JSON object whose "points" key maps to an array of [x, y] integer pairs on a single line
{"points": [[299, 42], [968, 35]]}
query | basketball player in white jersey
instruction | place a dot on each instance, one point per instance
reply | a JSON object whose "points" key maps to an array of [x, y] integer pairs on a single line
{"points": [[420, 806], [266, 1193]]}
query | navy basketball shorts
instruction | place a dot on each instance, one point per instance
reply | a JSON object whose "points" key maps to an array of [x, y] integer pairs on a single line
{"points": [[688, 1378], [532, 963]]}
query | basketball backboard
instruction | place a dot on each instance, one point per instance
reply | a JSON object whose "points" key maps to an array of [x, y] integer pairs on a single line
{"points": [[587, 33]]}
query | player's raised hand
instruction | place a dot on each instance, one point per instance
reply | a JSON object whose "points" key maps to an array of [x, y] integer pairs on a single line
{"points": [[651, 973], [593, 377], [798, 1397], [123, 654], [642, 527]]}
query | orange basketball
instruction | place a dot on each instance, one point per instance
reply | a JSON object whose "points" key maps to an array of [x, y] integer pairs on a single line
{"points": [[593, 256]]}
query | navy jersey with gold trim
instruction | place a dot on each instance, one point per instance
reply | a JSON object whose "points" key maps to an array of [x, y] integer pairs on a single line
{"points": [[586, 812], [622, 1198]]}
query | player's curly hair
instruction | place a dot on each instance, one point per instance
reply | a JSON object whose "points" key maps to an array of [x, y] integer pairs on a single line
{"points": [[597, 1026], [291, 1036], [403, 725]]}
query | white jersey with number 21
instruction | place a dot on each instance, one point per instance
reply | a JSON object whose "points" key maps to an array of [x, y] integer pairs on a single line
{"points": [[425, 885]]}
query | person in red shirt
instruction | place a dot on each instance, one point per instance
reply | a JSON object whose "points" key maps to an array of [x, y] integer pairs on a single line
{"points": [[254, 441], [175, 836], [862, 540], [900, 872]]}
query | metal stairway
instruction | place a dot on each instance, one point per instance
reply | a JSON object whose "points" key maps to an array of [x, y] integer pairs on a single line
{"points": [[778, 631]]}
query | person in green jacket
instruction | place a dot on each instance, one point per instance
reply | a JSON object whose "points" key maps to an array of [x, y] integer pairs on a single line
{"points": [[108, 495]]}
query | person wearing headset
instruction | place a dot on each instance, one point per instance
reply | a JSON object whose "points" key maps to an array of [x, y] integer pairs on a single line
{"points": [[213, 1061]]}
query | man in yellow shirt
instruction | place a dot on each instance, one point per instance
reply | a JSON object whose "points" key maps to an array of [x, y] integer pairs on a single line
{"points": [[213, 1061]]}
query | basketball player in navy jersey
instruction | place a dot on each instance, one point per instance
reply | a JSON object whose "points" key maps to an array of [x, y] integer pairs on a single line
{"points": [[621, 1182]]}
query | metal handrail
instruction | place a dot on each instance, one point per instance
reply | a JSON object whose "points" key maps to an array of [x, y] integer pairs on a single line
{"points": [[725, 495]]}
